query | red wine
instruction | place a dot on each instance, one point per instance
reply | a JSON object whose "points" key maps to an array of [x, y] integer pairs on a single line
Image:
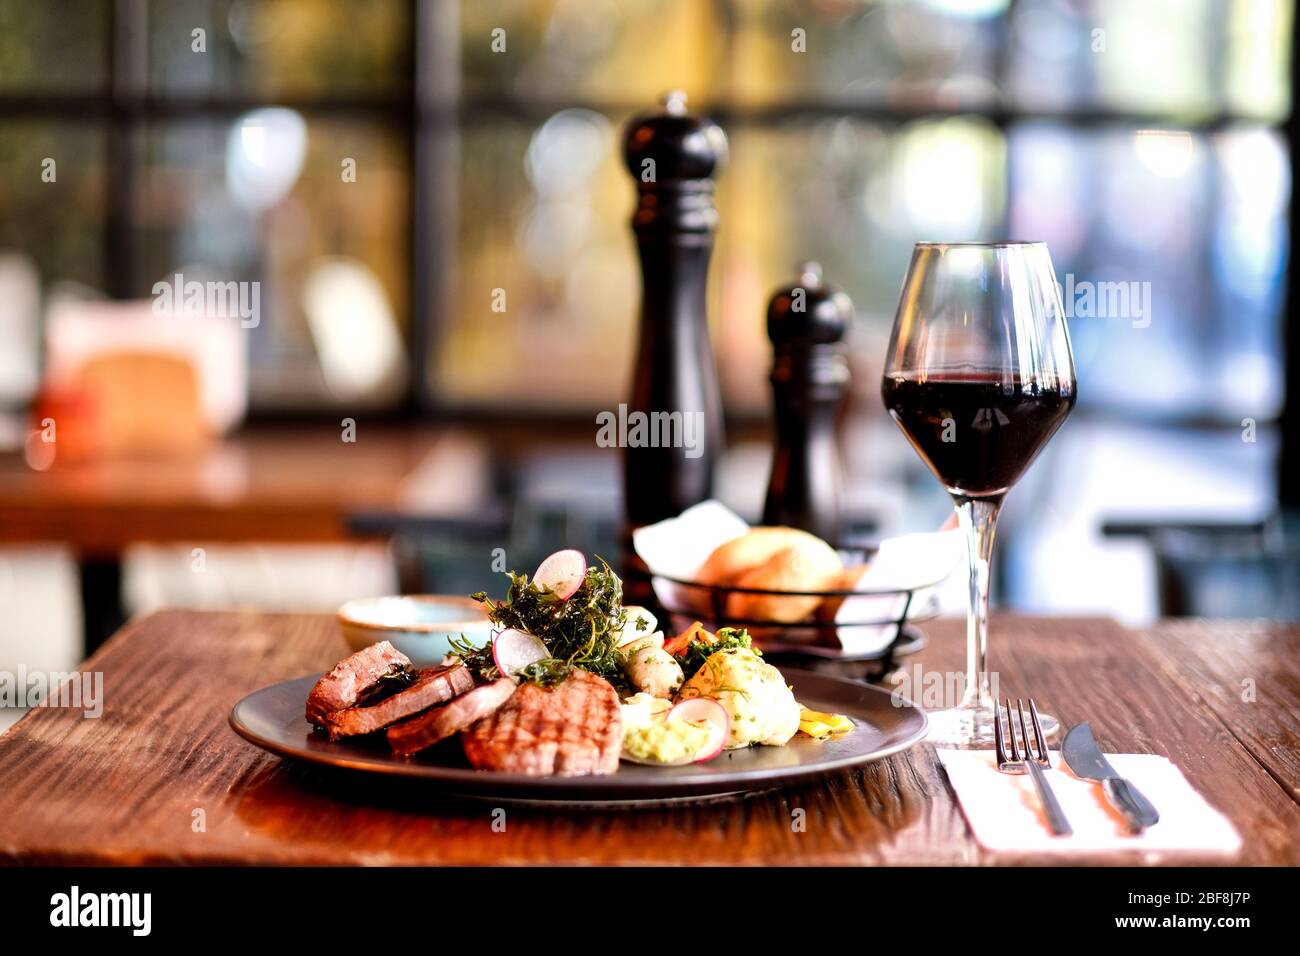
{"points": [[978, 432]]}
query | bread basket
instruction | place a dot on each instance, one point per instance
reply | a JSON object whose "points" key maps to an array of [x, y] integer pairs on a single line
{"points": [[888, 619]]}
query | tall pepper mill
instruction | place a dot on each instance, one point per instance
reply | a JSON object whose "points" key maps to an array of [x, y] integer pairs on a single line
{"points": [[810, 374], [673, 156]]}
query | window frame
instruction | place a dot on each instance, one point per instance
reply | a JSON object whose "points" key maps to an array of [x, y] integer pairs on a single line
{"points": [[429, 109]]}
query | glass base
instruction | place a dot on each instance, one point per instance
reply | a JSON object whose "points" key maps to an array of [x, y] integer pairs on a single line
{"points": [[971, 728]]}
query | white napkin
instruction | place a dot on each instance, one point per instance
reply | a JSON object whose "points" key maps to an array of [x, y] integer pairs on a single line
{"points": [[678, 547], [1004, 813], [921, 561]]}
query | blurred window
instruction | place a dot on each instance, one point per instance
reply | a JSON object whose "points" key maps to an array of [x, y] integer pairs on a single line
{"points": [[428, 161], [1141, 140], [258, 141], [53, 46]]}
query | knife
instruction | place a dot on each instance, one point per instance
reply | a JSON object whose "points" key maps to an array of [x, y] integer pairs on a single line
{"points": [[1084, 758]]}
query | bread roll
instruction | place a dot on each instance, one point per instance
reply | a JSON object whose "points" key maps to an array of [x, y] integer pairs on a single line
{"points": [[778, 559], [757, 546], [801, 568], [849, 578]]}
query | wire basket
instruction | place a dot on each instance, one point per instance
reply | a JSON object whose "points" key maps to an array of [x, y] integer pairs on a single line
{"points": [[892, 610]]}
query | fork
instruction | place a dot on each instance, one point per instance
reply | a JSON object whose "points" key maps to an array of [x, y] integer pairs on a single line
{"points": [[1013, 762]]}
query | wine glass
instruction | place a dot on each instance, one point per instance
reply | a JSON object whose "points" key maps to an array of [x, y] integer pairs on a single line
{"points": [[979, 376]]}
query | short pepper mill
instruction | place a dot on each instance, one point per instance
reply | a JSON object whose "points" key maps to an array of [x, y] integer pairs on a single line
{"points": [[673, 156], [810, 375]]}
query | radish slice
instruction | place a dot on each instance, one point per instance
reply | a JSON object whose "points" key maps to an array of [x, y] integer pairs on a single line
{"points": [[513, 650], [563, 572], [629, 633], [705, 710]]}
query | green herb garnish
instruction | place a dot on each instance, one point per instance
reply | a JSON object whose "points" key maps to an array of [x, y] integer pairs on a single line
{"points": [[397, 677], [478, 659], [582, 631]]}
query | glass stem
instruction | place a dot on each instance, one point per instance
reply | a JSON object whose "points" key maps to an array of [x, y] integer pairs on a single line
{"points": [[978, 518]]}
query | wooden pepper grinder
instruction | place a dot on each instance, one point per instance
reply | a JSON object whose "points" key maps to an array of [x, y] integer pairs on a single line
{"points": [[673, 156], [810, 374]]}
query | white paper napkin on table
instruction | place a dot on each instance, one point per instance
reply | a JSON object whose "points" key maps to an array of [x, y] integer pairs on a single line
{"points": [[1004, 813]]}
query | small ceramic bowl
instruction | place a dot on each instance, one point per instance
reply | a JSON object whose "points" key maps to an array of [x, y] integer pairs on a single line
{"points": [[421, 626]]}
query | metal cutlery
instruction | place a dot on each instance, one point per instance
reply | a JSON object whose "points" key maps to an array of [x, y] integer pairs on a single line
{"points": [[1081, 754], [1036, 756]]}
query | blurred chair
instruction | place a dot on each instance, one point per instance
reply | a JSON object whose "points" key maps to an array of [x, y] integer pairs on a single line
{"points": [[460, 557], [539, 501], [1228, 570], [40, 617], [272, 577]]}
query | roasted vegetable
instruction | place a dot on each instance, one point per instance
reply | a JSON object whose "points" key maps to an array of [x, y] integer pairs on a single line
{"points": [[650, 668], [814, 723], [701, 645], [760, 704], [678, 644]]}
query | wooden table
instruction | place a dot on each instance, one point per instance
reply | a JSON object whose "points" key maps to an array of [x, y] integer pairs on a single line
{"points": [[298, 484], [270, 484], [134, 785]]}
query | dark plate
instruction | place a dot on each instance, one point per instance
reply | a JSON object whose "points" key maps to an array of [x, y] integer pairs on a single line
{"points": [[272, 718]]}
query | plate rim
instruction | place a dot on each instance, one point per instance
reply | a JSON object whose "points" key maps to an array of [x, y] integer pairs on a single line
{"points": [[593, 787]]}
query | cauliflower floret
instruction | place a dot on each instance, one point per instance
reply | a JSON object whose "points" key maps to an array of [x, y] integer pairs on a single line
{"points": [[650, 668], [762, 707]]}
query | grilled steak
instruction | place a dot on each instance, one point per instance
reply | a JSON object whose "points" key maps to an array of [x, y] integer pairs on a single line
{"points": [[355, 678], [433, 686], [574, 728], [412, 736]]}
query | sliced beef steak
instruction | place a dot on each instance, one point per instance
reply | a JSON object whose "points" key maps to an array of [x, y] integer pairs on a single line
{"points": [[355, 678], [433, 686], [573, 728], [412, 736]]}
